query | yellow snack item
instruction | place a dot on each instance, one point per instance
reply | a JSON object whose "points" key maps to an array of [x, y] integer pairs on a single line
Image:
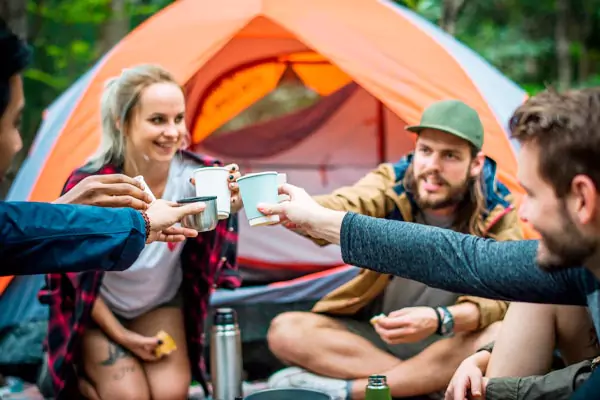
{"points": [[375, 318], [168, 344]]}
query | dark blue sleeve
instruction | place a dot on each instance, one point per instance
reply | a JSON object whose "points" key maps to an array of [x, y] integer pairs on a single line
{"points": [[40, 238], [457, 262]]}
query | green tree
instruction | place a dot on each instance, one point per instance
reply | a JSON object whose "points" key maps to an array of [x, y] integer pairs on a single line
{"points": [[68, 37]]}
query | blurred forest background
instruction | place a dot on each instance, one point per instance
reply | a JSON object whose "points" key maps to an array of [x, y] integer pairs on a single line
{"points": [[533, 42]]}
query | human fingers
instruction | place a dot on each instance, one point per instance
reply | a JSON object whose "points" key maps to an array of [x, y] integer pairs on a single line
{"points": [[120, 201], [233, 167], [116, 179], [124, 189], [180, 231], [188, 209], [390, 322]]}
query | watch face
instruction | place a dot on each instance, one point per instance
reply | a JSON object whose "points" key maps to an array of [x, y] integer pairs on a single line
{"points": [[447, 325]]}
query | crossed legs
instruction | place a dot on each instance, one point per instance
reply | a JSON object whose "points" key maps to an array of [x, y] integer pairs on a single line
{"points": [[325, 346]]}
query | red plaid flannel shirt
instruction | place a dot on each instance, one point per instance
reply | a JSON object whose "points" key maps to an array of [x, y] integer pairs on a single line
{"points": [[209, 261]]}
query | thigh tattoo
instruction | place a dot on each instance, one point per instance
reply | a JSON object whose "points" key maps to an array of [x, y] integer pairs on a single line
{"points": [[115, 353]]}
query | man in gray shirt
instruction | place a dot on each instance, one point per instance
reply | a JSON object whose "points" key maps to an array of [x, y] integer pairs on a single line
{"points": [[559, 136]]}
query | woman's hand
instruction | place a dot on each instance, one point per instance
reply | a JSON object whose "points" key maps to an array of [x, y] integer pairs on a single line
{"points": [[142, 346], [236, 199]]}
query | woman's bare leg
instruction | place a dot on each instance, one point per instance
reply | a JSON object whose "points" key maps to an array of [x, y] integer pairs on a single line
{"points": [[115, 373], [170, 377]]}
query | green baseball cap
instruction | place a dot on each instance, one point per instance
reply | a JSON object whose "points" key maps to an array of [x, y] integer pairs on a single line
{"points": [[454, 117]]}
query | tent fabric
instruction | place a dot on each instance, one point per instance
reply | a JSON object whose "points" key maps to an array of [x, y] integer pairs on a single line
{"points": [[19, 302], [262, 140], [404, 65], [375, 66], [244, 85], [352, 140]]}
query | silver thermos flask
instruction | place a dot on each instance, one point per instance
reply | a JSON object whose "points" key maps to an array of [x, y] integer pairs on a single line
{"points": [[226, 355]]}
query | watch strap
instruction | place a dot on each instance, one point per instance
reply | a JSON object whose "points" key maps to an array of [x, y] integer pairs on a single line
{"points": [[439, 317], [447, 326]]}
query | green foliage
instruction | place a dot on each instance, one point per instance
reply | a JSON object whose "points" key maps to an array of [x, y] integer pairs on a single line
{"points": [[66, 36], [516, 36]]}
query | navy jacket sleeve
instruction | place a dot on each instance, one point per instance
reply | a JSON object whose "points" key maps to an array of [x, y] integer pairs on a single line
{"points": [[459, 263], [40, 238]]}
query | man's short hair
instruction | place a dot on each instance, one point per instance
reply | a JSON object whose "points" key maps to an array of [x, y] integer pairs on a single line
{"points": [[15, 56], [566, 127]]}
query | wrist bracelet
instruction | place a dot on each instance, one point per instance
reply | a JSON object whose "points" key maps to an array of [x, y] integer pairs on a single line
{"points": [[148, 224]]}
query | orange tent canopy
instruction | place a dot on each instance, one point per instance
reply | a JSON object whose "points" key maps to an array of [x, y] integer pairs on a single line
{"points": [[231, 53]]}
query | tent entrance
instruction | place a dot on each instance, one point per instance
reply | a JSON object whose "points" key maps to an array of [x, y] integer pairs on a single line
{"points": [[265, 87], [299, 114]]}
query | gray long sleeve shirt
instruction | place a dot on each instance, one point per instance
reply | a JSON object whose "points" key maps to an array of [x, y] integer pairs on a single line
{"points": [[464, 263]]}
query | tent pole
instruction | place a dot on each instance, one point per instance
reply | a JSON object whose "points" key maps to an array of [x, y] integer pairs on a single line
{"points": [[381, 134]]}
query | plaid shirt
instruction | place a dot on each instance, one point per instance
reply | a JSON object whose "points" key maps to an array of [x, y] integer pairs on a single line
{"points": [[208, 262]]}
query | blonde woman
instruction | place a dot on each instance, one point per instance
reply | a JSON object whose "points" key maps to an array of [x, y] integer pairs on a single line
{"points": [[103, 325]]}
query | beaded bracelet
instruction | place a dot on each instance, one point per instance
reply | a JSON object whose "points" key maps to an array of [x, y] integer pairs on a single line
{"points": [[148, 224]]}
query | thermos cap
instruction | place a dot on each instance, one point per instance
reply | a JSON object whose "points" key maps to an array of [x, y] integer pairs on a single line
{"points": [[225, 316], [377, 380]]}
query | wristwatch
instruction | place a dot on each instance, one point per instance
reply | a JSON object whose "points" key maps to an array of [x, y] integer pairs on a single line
{"points": [[446, 325]]}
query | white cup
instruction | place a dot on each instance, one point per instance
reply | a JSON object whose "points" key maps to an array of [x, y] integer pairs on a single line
{"points": [[213, 181], [282, 179]]}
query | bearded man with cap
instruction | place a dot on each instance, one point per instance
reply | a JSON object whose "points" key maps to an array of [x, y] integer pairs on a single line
{"points": [[414, 334]]}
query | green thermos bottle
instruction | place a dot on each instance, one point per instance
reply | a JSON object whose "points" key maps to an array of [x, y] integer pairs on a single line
{"points": [[377, 388]]}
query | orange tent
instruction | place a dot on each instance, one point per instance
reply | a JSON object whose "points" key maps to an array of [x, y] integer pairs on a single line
{"points": [[373, 67]]}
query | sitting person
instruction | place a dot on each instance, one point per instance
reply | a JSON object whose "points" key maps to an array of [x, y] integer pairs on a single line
{"points": [[103, 326], [447, 182], [518, 367]]}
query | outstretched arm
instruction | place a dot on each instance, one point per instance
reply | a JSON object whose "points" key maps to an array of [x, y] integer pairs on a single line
{"points": [[439, 258], [39, 238], [452, 261]]}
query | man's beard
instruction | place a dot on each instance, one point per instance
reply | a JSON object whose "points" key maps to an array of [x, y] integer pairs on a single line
{"points": [[455, 194], [566, 248]]}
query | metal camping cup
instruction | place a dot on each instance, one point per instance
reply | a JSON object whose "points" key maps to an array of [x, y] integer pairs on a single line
{"points": [[206, 220]]}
